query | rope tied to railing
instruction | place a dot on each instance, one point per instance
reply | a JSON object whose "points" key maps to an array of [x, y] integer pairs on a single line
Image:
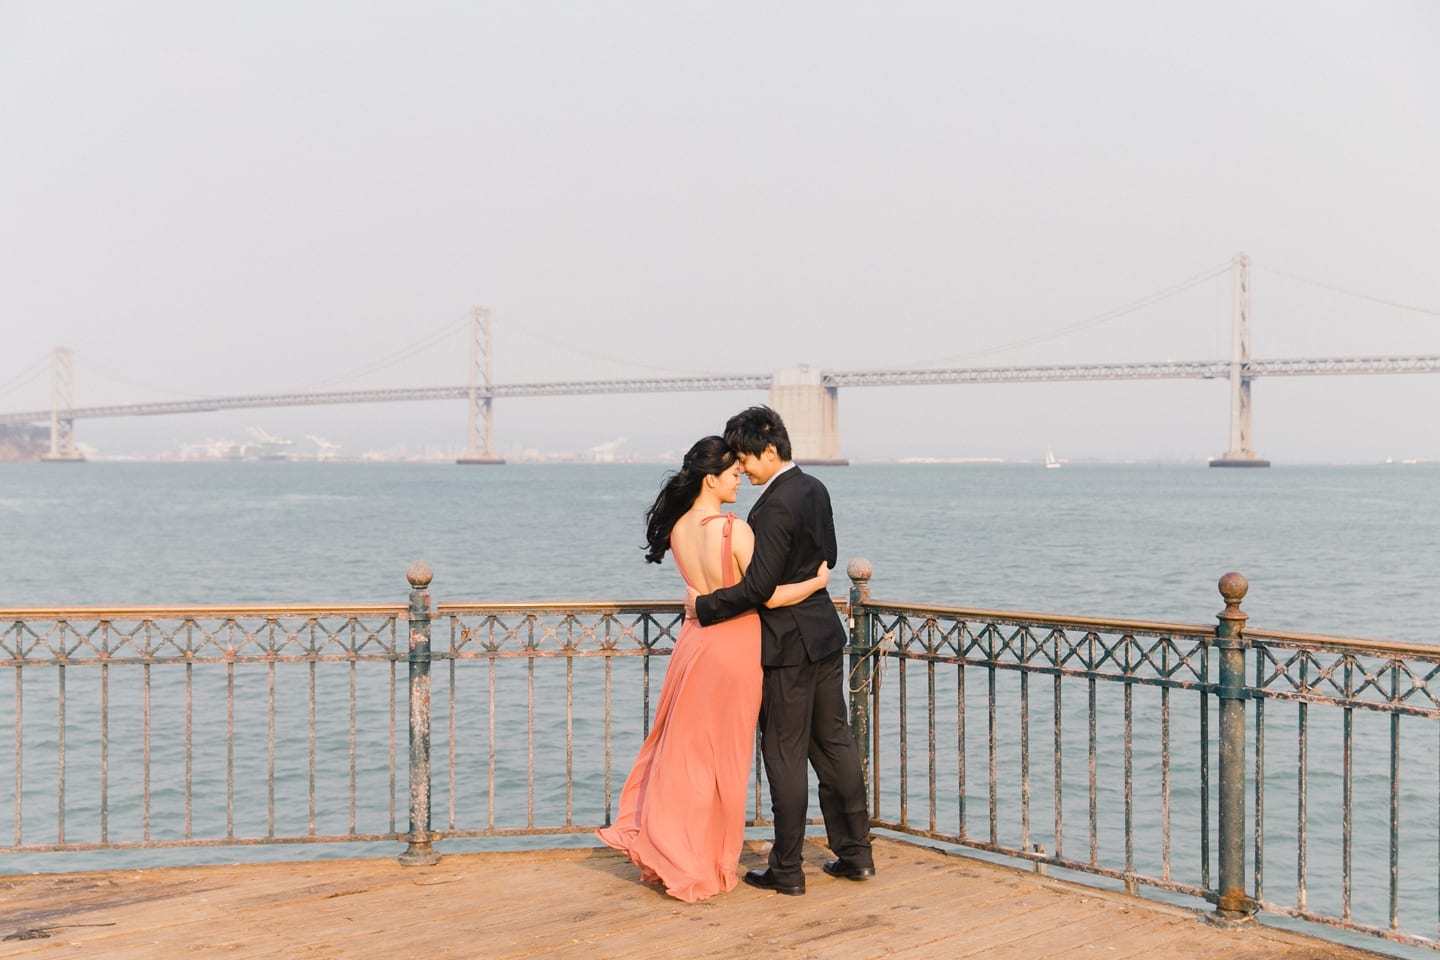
{"points": [[859, 571], [876, 674]]}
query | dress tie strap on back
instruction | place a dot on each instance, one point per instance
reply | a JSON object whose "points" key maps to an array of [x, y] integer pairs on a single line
{"points": [[728, 576]]}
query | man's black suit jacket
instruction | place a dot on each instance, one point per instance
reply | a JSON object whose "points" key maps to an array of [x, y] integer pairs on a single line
{"points": [[794, 531]]}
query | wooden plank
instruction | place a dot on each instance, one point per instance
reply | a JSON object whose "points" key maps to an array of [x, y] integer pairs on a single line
{"points": [[587, 904]]}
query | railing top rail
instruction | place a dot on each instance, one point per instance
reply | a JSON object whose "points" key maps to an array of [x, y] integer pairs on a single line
{"points": [[460, 607], [1027, 618], [262, 611], [542, 607], [1377, 647]]}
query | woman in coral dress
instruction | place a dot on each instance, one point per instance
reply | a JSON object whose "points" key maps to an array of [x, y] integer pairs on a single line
{"points": [[682, 810]]}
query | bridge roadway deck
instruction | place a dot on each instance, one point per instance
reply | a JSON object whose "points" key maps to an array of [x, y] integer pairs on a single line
{"points": [[589, 903]]}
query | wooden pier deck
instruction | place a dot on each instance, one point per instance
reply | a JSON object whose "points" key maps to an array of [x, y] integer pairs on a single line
{"points": [[589, 903]]}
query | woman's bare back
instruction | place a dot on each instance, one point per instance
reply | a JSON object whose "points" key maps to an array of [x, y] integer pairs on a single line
{"points": [[698, 548]]}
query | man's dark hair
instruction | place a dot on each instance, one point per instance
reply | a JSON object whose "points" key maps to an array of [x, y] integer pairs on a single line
{"points": [[753, 429]]}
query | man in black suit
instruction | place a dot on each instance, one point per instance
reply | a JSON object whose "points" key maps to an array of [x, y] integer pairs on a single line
{"points": [[802, 711]]}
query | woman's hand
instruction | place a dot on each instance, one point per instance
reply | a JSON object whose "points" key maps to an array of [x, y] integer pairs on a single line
{"points": [[792, 593]]}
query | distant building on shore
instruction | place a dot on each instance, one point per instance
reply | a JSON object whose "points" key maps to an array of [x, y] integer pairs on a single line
{"points": [[23, 441]]}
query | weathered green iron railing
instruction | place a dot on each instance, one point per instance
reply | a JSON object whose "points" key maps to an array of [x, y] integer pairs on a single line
{"points": [[1161, 691], [137, 728], [1360, 696], [189, 727], [979, 665]]}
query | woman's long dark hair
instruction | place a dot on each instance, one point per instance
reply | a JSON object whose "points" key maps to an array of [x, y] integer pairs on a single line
{"points": [[709, 457]]}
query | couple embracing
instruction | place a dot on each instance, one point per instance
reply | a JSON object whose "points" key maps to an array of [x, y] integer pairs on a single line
{"points": [[761, 638]]}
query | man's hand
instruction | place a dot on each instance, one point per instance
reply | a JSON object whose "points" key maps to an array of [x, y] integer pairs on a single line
{"points": [[690, 596]]}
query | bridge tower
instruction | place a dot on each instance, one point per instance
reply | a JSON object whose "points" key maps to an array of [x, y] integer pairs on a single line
{"points": [[480, 439], [62, 406], [1241, 452], [811, 411]]}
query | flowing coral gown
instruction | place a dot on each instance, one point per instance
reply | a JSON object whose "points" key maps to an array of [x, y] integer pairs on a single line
{"points": [[682, 810]]}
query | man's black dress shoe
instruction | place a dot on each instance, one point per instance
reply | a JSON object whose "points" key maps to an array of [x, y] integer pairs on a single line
{"points": [[765, 880], [848, 871]]}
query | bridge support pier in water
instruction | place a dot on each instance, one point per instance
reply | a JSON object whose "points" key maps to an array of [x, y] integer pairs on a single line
{"points": [[480, 438], [1241, 452], [811, 412], [62, 406]]}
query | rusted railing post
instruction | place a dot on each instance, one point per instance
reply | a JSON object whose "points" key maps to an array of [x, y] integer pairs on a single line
{"points": [[862, 665], [419, 853], [1233, 903]]}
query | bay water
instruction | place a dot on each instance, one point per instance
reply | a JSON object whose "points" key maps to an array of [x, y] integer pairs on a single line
{"points": [[1342, 550]]}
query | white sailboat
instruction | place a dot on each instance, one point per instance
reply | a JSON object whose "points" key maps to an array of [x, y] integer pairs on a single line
{"points": [[1050, 462]]}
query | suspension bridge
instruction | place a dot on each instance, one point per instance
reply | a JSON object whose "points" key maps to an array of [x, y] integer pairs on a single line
{"points": [[805, 396]]}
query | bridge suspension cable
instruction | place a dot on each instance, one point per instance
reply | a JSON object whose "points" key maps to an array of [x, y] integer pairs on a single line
{"points": [[126, 381], [571, 348], [1350, 293], [27, 376], [1093, 321], [403, 353]]}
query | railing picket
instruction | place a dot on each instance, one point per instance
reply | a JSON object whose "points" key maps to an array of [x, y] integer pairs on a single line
{"points": [[1259, 871], [19, 754], [270, 748], [990, 746], [310, 745], [351, 738], [1024, 762], [1394, 821], [571, 649], [1093, 779], [1347, 803], [189, 745], [451, 703], [963, 828], [930, 739], [903, 745], [490, 735], [145, 763], [392, 729], [1302, 794], [230, 750], [1129, 761], [530, 736], [1205, 811], [1059, 762], [1165, 850], [609, 738], [60, 753], [104, 753]]}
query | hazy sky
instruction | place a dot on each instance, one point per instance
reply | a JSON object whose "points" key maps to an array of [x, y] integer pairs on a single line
{"points": [[222, 198]]}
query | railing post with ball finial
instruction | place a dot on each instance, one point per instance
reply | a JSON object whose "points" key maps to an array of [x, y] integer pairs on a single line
{"points": [[1233, 904], [862, 665], [419, 853]]}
